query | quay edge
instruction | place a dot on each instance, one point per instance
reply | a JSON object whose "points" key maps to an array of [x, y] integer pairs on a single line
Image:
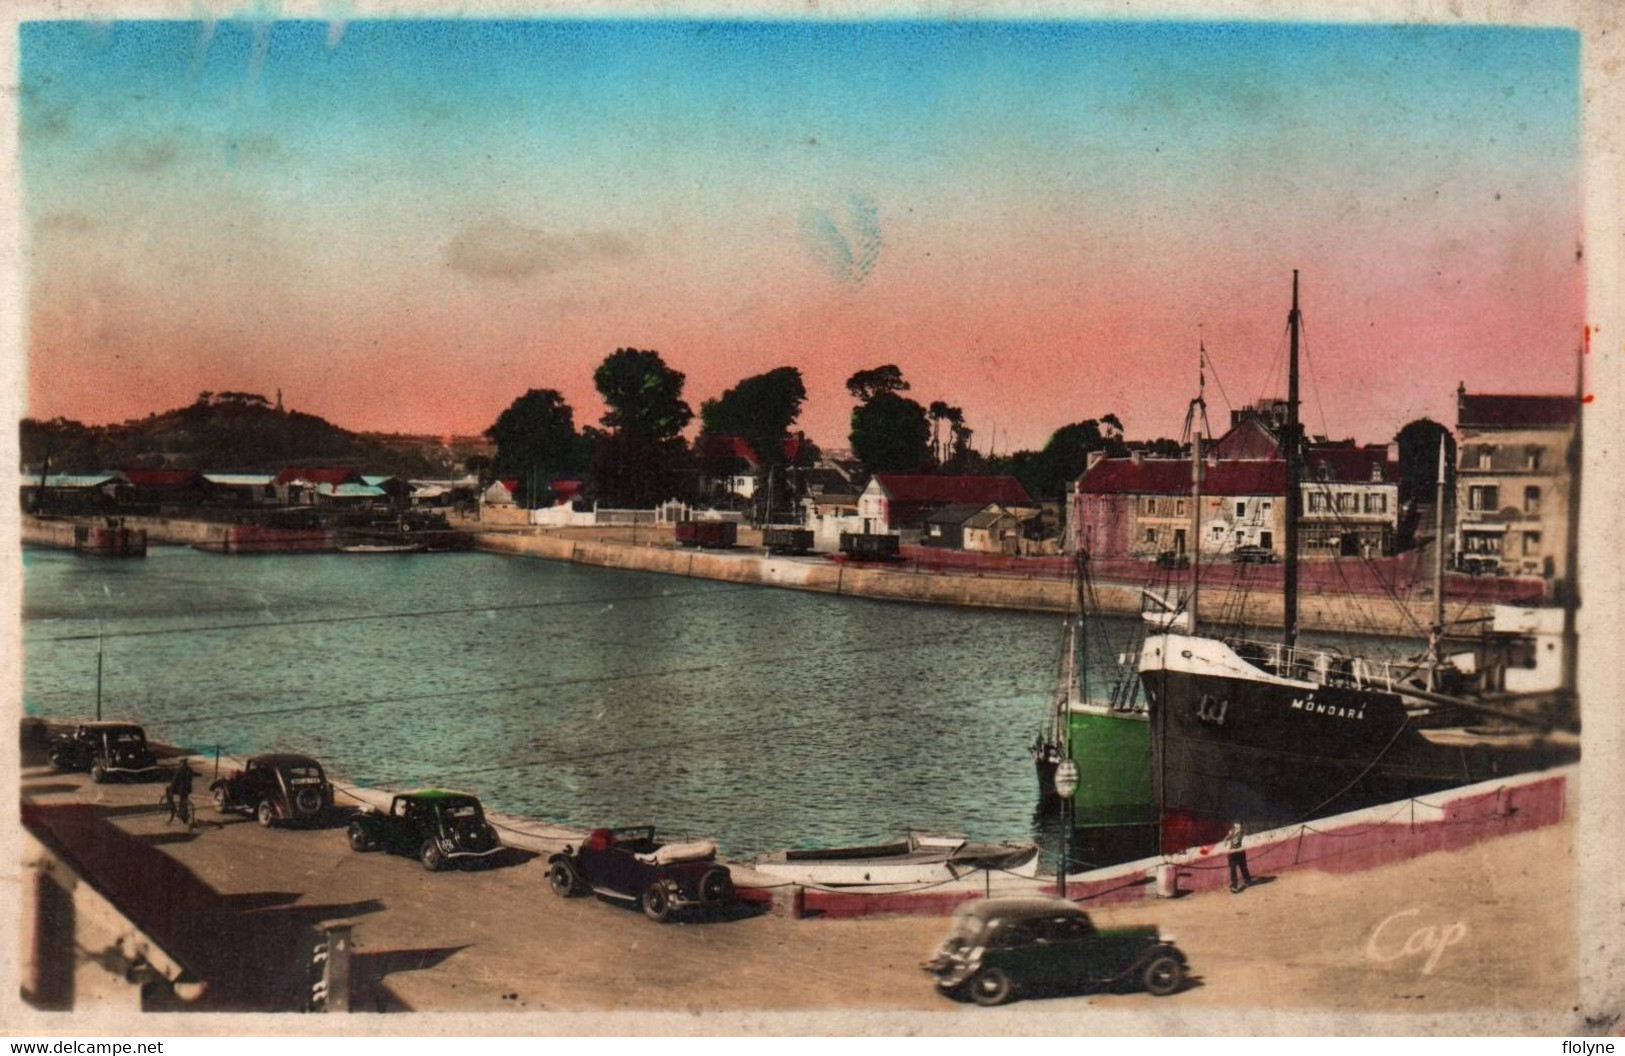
{"points": [[1321, 612]]}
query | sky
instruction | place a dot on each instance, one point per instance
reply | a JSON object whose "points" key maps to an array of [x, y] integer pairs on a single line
{"points": [[403, 225]]}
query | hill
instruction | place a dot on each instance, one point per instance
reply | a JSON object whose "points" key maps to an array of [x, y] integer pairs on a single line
{"points": [[224, 432]]}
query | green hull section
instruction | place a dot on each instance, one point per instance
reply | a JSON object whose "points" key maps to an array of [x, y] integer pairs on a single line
{"points": [[1114, 770]]}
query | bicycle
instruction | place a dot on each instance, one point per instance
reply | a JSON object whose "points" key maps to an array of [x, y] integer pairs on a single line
{"points": [[180, 809]]}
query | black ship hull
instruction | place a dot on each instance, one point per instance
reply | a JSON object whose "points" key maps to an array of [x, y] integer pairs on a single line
{"points": [[1268, 752]]}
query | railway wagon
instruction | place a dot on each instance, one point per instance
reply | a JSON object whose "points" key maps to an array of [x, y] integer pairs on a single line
{"points": [[862, 546], [716, 535], [787, 540]]}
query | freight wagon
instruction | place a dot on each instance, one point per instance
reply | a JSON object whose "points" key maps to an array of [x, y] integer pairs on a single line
{"points": [[787, 540], [866, 547], [714, 534]]}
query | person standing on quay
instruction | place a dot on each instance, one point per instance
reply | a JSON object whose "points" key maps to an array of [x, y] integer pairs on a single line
{"points": [[1240, 878]]}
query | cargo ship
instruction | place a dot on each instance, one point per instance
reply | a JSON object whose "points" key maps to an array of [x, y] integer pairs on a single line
{"points": [[1273, 733]]}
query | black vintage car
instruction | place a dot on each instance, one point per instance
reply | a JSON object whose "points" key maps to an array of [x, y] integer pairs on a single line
{"points": [[106, 749], [1000, 948], [276, 787], [630, 864], [433, 825]]}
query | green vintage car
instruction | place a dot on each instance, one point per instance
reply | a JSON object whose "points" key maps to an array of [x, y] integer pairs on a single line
{"points": [[1000, 948], [434, 826]]}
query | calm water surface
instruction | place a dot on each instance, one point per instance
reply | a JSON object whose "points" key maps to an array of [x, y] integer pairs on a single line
{"points": [[769, 718]]}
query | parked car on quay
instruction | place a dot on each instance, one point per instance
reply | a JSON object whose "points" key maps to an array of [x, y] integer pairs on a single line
{"points": [[435, 826], [276, 787], [1253, 555], [631, 865], [1001, 948], [105, 749], [1173, 559]]}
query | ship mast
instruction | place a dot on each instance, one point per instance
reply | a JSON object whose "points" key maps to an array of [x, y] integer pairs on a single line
{"points": [[1292, 448], [1436, 639]]}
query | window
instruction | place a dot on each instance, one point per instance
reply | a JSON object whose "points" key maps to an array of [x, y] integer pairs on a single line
{"points": [[1531, 544], [1151, 535], [1179, 508], [1531, 458], [1486, 456], [1241, 509], [1150, 506], [1267, 505], [1531, 499], [1346, 503], [1317, 502], [1376, 471], [1376, 503], [1482, 497]]}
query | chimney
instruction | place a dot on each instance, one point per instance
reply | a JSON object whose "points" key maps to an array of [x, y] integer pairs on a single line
{"points": [[1136, 456]]}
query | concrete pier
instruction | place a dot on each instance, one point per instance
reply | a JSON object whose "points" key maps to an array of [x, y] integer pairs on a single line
{"points": [[1323, 611]]}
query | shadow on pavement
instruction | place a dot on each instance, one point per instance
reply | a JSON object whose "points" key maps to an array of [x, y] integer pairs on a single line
{"points": [[367, 972], [252, 950]]}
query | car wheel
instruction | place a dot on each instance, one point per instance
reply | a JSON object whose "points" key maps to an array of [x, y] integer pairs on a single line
{"points": [[430, 856], [98, 772], [359, 840], [1163, 975], [990, 987], [563, 879], [656, 902], [716, 887], [59, 759], [222, 802], [265, 814]]}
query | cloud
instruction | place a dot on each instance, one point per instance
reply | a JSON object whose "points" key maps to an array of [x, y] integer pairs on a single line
{"points": [[502, 249], [69, 223], [144, 154]]}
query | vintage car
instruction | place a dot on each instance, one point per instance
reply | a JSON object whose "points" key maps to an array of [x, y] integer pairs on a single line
{"points": [[276, 787], [1000, 948], [1253, 555], [630, 864], [106, 749], [1173, 559], [433, 825]]}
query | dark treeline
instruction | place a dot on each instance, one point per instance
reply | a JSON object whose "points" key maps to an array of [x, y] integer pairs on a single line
{"points": [[635, 455]]}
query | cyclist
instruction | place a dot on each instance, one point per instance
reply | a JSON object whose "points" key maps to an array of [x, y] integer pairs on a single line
{"points": [[179, 795]]}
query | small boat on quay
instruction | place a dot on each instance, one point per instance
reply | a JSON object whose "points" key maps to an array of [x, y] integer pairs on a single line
{"points": [[918, 858], [381, 548]]}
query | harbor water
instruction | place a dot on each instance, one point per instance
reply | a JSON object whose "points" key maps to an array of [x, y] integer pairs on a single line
{"points": [[767, 718]]}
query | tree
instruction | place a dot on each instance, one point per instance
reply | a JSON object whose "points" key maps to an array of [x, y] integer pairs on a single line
{"points": [[1419, 459], [536, 441], [865, 385], [642, 458], [644, 397], [890, 434], [760, 411]]}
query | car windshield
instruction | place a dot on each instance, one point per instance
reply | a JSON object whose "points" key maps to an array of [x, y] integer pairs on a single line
{"points": [[304, 771], [129, 737], [968, 928], [461, 811]]}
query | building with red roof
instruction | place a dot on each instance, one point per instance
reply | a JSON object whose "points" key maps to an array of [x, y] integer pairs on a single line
{"points": [[1141, 507], [902, 501], [1514, 482]]}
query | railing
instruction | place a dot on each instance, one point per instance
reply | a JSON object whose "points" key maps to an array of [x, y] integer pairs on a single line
{"points": [[1319, 666]]}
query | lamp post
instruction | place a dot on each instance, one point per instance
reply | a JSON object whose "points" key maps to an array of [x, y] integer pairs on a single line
{"points": [[1066, 785]]}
